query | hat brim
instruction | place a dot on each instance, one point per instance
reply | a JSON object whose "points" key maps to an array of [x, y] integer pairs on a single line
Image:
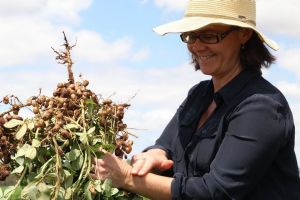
{"points": [[187, 24]]}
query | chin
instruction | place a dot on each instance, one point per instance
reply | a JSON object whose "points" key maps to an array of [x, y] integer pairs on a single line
{"points": [[206, 72]]}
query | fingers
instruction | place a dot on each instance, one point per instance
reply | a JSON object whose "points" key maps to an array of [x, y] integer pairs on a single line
{"points": [[137, 165], [136, 157], [98, 170], [145, 162], [165, 165], [144, 169]]}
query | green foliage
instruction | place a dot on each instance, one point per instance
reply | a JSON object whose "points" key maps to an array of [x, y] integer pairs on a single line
{"points": [[54, 167], [51, 153]]}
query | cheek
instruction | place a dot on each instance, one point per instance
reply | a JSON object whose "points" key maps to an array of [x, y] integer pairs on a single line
{"points": [[190, 48]]}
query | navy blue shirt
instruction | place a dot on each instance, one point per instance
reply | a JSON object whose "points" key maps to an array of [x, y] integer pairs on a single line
{"points": [[245, 150]]}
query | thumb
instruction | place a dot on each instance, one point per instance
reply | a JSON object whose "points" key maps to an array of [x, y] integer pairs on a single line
{"points": [[166, 164]]}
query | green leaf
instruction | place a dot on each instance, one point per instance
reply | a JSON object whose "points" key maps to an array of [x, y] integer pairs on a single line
{"points": [[44, 191], [68, 194], [16, 193], [114, 191], [96, 141], [77, 164], [18, 170], [87, 192], [13, 123], [61, 194], [26, 150], [98, 186], [21, 132], [91, 106], [36, 143], [84, 138], [68, 179], [20, 160], [43, 168], [91, 130], [52, 175], [73, 154], [6, 191], [107, 187], [30, 152], [108, 147], [30, 191]]}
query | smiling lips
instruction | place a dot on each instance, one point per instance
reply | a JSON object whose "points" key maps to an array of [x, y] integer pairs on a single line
{"points": [[204, 58]]}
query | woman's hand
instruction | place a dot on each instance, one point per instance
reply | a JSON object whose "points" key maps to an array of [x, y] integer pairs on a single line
{"points": [[120, 172], [153, 159], [112, 167]]}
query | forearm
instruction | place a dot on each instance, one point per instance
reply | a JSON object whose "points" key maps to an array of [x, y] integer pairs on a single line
{"points": [[151, 186]]}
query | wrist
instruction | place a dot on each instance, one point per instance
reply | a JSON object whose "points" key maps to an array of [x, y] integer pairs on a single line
{"points": [[127, 182]]}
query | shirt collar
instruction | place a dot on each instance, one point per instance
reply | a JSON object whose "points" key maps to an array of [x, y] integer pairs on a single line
{"points": [[231, 89]]}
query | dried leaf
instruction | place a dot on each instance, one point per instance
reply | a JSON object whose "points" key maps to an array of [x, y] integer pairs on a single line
{"points": [[21, 132], [13, 123], [71, 126]]}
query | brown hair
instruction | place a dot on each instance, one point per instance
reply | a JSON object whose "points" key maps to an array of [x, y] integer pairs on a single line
{"points": [[253, 55]]}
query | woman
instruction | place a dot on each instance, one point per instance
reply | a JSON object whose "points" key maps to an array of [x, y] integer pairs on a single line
{"points": [[233, 136]]}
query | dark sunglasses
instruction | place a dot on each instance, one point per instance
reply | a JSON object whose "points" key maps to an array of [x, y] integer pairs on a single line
{"points": [[207, 38]]}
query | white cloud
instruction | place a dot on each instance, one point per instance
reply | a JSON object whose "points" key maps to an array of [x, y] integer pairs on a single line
{"points": [[57, 10], [290, 90], [171, 5], [68, 10], [19, 7], [29, 28], [141, 55], [92, 48], [28, 39], [277, 16], [289, 59]]}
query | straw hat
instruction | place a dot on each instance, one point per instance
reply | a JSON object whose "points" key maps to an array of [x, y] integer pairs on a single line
{"points": [[200, 13]]}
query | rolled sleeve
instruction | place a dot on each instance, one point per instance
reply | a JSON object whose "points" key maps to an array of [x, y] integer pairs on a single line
{"points": [[176, 185]]}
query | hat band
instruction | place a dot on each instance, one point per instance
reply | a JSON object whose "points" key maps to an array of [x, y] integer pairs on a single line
{"points": [[240, 18]]}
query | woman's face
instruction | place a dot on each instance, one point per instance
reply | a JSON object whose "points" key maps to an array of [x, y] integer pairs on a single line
{"points": [[222, 58]]}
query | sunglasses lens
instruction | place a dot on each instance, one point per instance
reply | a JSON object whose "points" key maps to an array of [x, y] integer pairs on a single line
{"points": [[208, 38], [187, 38]]}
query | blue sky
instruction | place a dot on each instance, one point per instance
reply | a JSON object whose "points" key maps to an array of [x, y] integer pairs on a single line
{"points": [[121, 56]]}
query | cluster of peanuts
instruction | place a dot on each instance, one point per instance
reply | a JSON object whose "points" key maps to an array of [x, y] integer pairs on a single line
{"points": [[111, 115], [8, 143], [51, 114]]}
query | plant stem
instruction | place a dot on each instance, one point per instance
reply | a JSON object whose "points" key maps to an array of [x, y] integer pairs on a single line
{"points": [[57, 169], [78, 182], [19, 181]]}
